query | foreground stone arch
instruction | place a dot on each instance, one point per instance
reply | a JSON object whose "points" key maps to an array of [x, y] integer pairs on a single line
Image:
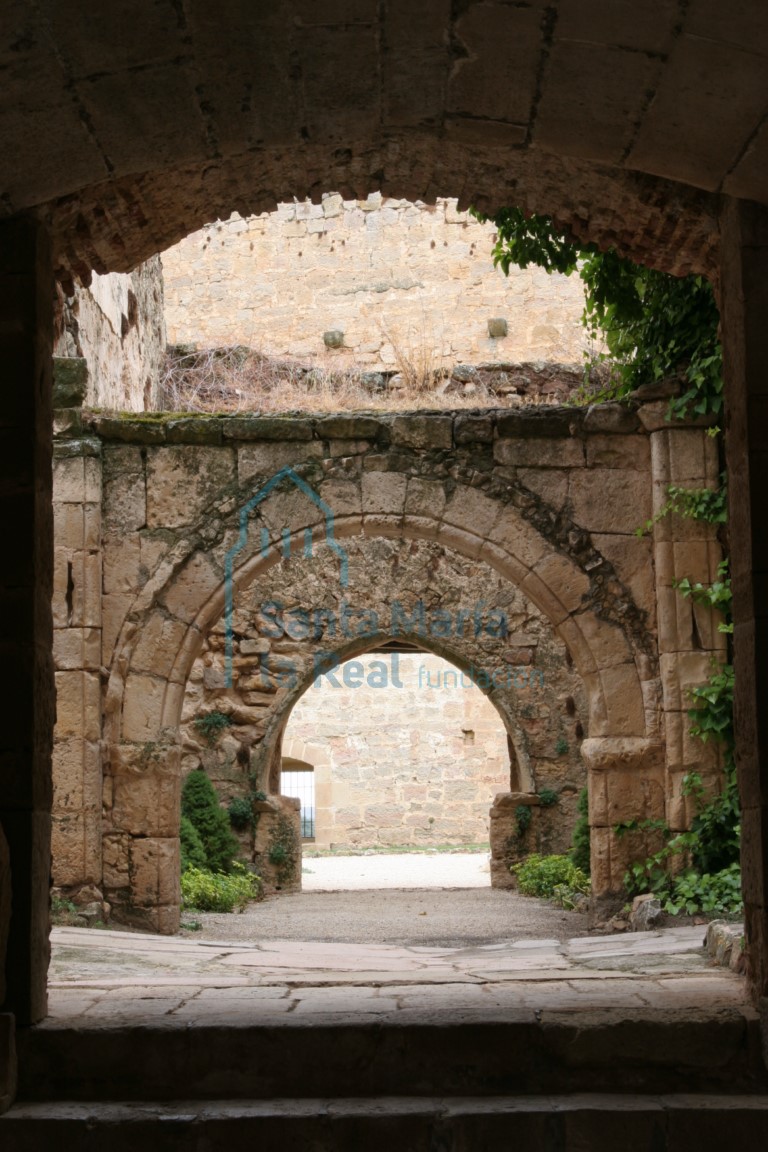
{"points": [[534, 91]]}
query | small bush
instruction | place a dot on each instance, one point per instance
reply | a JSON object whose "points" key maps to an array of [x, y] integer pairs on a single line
{"points": [[200, 804], [219, 892], [550, 877], [192, 850]]}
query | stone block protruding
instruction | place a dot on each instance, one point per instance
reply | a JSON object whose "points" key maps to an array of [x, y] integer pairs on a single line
{"points": [[333, 338], [497, 328], [540, 422], [423, 431], [70, 381], [612, 417], [352, 426]]}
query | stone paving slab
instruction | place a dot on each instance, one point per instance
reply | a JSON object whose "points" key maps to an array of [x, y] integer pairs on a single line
{"points": [[102, 976]]}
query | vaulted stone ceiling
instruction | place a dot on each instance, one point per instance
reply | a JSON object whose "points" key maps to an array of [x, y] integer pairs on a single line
{"points": [[135, 121]]}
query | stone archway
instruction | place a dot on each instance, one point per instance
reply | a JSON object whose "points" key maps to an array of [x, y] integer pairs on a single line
{"points": [[393, 486]]}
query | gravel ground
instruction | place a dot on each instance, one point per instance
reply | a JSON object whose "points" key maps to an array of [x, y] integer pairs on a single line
{"points": [[442, 917]]}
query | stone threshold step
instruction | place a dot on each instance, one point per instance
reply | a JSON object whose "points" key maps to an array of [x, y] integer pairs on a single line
{"points": [[552, 1123], [609, 1050]]}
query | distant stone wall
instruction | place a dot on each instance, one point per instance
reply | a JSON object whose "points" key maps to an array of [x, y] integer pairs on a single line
{"points": [[417, 761], [398, 279], [117, 325]]}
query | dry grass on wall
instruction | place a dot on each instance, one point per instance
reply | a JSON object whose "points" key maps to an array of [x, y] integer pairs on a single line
{"points": [[239, 379]]}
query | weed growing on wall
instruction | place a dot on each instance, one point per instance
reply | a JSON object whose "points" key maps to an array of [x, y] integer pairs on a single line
{"points": [[212, 725]]}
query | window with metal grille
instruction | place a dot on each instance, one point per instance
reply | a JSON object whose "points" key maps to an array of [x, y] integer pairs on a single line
{"points": [[300, 782]]}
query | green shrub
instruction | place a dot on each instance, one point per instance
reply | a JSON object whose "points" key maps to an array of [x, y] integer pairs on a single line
{"points": [[192, 850], [580, 850], [241, 813], [219, 892], [542, 875], [718, 894], [200, 804]]}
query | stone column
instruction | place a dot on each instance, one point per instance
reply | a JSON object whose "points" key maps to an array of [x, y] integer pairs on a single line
{"points": [[744, 312], [685, 456], [27, 703], [77, 591]]}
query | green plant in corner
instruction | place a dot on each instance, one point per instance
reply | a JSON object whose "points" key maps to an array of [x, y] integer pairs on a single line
{"points": [[561, 746], [547, 797]]}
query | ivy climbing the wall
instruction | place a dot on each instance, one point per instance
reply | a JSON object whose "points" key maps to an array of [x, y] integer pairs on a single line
{"points": [[655, 327], [710, 881]]}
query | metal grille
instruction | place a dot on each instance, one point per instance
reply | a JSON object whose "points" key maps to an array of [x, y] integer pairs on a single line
{"points": [[301, 783]]}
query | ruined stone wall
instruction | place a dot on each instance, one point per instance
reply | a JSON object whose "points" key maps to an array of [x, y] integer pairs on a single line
{"points": [[118, 326], [401, 281]]}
